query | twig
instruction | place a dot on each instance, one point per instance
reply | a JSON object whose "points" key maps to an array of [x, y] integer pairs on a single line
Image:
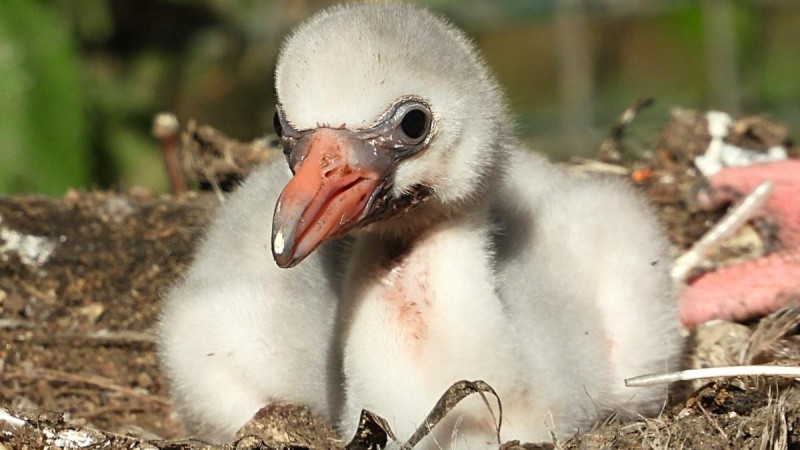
{"points": [[769, 332], [714, 372], [92, 413], [584, 165], [712, 421], [732, 221], [101, 382], [32, 290], [115, 337], [215, 185], [448, 401], [609, 149], [165, 129], [10, 421], [15, 323], [103, 336]]}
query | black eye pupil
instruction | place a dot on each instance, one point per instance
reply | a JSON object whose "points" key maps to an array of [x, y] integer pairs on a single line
{"points": [[415, 123], [276, 123]]}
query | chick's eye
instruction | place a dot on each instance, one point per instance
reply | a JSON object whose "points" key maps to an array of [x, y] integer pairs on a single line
{"points": [[415, 124], [276, 123]]}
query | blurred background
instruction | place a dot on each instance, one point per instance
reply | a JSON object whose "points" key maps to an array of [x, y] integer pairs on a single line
{"points": [[80, 80]]}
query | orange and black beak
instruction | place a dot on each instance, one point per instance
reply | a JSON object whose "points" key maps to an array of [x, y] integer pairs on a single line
{"points": [[336, 182]]}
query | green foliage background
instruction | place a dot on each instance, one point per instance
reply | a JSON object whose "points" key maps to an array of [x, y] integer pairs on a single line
{"points": [[81, 79], [43, 126]]}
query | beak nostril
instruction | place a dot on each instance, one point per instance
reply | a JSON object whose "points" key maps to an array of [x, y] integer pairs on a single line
{"points": [[337, 172]]}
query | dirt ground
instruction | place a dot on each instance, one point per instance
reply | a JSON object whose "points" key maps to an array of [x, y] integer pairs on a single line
{"points": [[81, 279]]}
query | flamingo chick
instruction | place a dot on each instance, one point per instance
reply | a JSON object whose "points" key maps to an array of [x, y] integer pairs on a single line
{"points": [[429, 246]]}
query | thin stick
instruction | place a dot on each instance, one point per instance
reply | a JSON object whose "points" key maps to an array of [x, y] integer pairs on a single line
{"points": [[15, 323], [215, 185], [449, 400], [732, 221], [102, 382], [102, 336], [165, 129], [113, 337], [714, 372], [584, 165], [12, 421], [609, 149], [711, 420]]}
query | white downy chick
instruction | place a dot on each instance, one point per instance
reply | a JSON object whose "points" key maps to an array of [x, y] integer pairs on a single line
{"points": [[473, 259]]}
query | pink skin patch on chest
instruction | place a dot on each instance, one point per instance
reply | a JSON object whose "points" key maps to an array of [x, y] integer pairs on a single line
{"points": [[407, 296]]}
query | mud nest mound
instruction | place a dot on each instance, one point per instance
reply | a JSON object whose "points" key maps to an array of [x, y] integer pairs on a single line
{"points": [[81, 280]]}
